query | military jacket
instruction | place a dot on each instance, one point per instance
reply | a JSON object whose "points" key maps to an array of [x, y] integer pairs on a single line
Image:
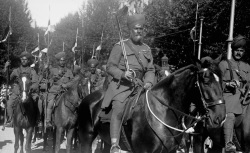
{"points": [[16, 74], [96, 80], [241, 73], [59, 76], [119, 89]]}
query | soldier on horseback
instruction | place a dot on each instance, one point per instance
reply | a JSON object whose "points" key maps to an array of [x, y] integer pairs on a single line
{"points": [[140, 62], [59, 78], [94, 75], [15, 77], [235, 74]]}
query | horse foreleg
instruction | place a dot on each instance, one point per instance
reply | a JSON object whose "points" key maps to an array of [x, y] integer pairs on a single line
{"points": [[16, 132], [45, 144], [35, 134], [21, 139], [86, 140], [69, 139], [29, 132], [58, 139]]}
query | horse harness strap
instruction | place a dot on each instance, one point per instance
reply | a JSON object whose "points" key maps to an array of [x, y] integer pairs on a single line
{"points": [[136, 54], [184, 114]]}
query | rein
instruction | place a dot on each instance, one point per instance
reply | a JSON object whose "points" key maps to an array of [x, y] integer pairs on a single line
{"points": [[184, 114], [205, 104]]}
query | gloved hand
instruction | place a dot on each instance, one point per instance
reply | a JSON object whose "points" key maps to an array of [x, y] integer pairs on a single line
{"points": [[128, 75], [147, 86]]}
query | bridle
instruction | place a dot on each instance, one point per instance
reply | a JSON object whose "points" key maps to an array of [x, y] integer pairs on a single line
{"points": [[205, 104]]}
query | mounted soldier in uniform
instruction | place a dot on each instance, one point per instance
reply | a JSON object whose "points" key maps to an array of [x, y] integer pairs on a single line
{"points": [[15, 77], [59, 78], [94, 74], [235, 74], [139, 66]]}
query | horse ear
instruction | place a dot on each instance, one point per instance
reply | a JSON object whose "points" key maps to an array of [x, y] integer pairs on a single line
{"points": [[198, 63], [218, 59]]}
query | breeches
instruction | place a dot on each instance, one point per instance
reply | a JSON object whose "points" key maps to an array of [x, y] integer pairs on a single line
{"points": [[11, 103], [116, 118], [51, 99]]}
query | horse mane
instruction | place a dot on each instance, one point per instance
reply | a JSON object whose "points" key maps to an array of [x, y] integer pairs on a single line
{"points": [[175, 74], [75, 82]]}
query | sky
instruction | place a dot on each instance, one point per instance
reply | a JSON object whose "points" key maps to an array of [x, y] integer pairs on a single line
{"points": [[39, 10]]}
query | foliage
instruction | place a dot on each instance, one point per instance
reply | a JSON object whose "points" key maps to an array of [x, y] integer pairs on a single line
{"points": [[22, 32]]}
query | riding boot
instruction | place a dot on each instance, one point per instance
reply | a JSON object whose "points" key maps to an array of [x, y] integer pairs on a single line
{"points": [[115, 133], [228, 133], [48, 119]]}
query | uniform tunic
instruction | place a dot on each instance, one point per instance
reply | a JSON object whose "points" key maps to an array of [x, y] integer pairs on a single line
{"points": [[119, 89], [241, 72], [57, 77], [96, 80], [15, 92]]}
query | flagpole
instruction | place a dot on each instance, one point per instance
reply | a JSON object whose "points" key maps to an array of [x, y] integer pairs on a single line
{"points": [[199, 51], [230, 36], [7, 71], [195, 31]]}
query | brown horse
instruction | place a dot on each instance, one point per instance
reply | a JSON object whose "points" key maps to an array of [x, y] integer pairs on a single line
{"points": [[65, 114], [155, 124], [25, 115]]}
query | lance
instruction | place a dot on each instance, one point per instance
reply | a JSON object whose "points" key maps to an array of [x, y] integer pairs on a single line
{"points": [[231, 26], [7, 71], [195, 26], [199, 51]]}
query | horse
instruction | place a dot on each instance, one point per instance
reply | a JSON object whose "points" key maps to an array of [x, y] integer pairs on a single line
{"points": [[241, 137], [155, 124], [65, 113], [25, 115]]}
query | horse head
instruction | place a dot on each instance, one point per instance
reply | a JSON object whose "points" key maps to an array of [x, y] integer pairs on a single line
{"points": [[84, 86], [209, 84], [24, 85]]}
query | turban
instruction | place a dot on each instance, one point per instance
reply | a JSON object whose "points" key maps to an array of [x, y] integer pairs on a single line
{"points": [[238, 42], [135, 19], [60, 55], [93, 62], [25, 54]]}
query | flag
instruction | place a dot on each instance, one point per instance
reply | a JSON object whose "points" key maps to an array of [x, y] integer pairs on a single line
{"points": [[45, 50], [50, 29], [8, 30], [99, 47], [192, 33], [75, 45], [35, 50]]}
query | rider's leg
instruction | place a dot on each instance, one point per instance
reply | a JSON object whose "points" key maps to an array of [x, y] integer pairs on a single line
{"points": [[40, 111], [115, 124], [51, 98], [10, 111], [228, 132]]}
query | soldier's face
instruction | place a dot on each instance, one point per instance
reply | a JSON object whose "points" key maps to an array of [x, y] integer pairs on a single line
{"points": [[136, 33], [92, 68], [24, 61], [62, 62], [238, 53]]}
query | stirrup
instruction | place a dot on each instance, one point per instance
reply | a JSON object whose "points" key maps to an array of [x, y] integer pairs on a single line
{"points": [[9, 123], [115, 148], [230, 147]]}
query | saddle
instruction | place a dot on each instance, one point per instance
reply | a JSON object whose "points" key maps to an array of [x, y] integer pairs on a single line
{"points": [[131, 101]]}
